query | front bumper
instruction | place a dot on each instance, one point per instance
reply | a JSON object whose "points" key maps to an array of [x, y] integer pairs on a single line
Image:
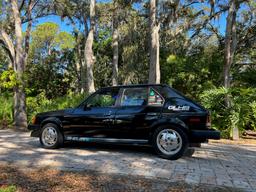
{"points": [[35, 130], [205, 134]]}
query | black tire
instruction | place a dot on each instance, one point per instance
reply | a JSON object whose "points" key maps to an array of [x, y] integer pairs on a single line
{"points": [[198, 145], [58, 142], [183, 141], [189, 152]]}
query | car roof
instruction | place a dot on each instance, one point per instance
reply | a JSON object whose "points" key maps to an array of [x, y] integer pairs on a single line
{"points": [[135, 85]]}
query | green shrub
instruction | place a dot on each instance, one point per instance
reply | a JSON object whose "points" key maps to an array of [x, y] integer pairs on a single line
{"points": [[11, 188], [40, 103], [36, 105], [241, 113]]}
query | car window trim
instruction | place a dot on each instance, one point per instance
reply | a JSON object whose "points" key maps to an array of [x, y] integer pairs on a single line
{"points": [[159, 95], [119, 98]]}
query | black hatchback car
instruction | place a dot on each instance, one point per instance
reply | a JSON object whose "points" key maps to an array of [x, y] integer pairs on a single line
{"points": [[134, 114]]}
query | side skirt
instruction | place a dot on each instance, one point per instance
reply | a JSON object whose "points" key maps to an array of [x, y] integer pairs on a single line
{"points": [[106, 140]]}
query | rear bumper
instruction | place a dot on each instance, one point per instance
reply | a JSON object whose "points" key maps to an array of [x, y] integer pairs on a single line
{"points": [[205, 134], [33, 127], [35, 130]]}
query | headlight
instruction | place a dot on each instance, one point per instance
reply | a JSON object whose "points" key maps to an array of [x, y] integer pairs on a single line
{"points": [[33, 120]]}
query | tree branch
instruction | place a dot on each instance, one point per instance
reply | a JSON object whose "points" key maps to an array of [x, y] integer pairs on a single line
{"points": [[7, 44], [215, 31], [29, 27], [189, 4], [31, 6], [7, 50], [38, 15], [208, 20], [21, 5]]}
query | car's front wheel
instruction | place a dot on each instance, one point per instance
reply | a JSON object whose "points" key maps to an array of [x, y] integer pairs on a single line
{"points": [[170, 142], [51, 137]]}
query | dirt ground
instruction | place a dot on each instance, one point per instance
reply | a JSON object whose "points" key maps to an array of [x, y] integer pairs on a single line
{"points": [[241, 141], [30, 180]]}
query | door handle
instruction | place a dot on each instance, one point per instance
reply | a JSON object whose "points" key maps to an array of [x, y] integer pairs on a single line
{"points": [[108, 113], [108, 120]]}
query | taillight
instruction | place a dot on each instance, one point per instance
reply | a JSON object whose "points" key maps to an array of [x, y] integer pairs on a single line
{"points": [[208, 121], [33, 120]]}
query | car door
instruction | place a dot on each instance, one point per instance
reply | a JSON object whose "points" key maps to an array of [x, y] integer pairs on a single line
{"points": [[136, 111], [94, 117]]}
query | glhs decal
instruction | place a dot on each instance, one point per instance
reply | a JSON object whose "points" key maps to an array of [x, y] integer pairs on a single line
{"points": [[178, 108]]}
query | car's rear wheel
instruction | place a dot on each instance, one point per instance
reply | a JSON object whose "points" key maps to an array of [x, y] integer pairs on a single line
{"points": [[51, 137], [189, 152], [170, 142]]}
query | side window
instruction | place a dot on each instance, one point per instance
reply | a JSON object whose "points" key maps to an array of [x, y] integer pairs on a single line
{"points": [[167, 92], [155, 99], [106, 98], [134, 97]]}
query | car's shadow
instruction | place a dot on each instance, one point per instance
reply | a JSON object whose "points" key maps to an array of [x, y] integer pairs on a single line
{"points": [[119, 148], [113, 147]]}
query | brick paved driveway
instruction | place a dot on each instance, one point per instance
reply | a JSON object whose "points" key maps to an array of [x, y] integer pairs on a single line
{"points": [[217, 164]]}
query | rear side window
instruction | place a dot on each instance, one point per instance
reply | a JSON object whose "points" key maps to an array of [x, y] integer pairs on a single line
{"points": [[167, 92], [154, 98], [134, 97]]}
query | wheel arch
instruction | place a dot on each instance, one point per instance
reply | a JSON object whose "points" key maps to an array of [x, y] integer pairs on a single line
{"points": [[53, 120]]}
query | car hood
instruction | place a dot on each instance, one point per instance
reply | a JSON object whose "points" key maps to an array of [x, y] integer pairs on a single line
{"points": [[56, 113]]}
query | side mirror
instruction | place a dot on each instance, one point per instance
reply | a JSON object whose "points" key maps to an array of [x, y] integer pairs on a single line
{"points": [[87, 107]]}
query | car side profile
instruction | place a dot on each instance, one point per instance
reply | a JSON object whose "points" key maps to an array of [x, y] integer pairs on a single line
{"points": [[157, 115]]}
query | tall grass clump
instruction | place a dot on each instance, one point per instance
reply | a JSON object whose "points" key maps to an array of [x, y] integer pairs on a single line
{"points": [[37, 104], [40, 103], [6, 110]]}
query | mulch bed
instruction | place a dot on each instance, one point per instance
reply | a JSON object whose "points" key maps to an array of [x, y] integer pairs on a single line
{"points": [[30, 180], [241, 141]]}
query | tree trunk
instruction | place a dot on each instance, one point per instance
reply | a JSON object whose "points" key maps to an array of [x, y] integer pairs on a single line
{"points": [[154, 68], [115, 37], [89, 56], [20, 115], [230, 48], [78, 68], [83, 77], [29, 27]]}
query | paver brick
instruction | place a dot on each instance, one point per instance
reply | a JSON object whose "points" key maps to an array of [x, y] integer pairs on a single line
{"points": [[241, 184], [224, 182], [214, 164]]}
